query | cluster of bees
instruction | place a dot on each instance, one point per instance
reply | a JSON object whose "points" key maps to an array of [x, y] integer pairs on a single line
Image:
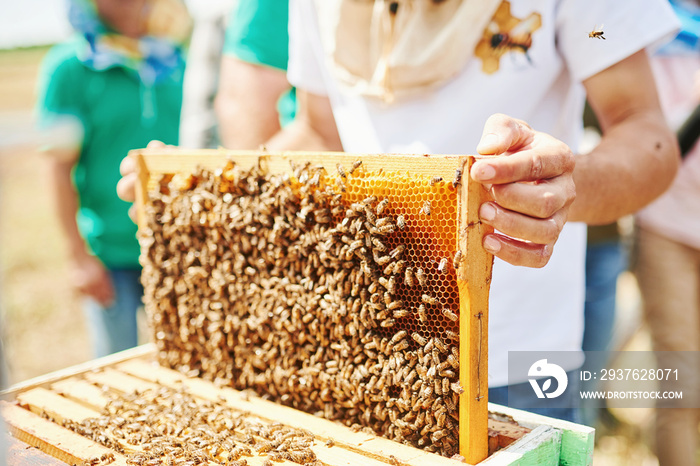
{"points": [[333, 293], [171, 427]]}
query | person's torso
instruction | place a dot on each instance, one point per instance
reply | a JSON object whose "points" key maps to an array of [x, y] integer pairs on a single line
{"points": [[117, 113], [528, 72]]}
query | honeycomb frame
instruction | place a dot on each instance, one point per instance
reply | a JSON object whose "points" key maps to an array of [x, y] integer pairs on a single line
{"points": [[472, 275]]}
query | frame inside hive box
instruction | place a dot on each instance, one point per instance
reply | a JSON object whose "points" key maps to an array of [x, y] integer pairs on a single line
{"points": [[400, 325], [84, 415]]}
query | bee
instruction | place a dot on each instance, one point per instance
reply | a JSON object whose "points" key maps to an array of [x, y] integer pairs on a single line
{"points": [[394, 305], [437, 435], [408, 276], [440, 345], [369, 200], [426, 208], [457, 259], [364, 269], [420, 275], [387, 299], [399, 313], [434, 180], [341, 185], [458, 178], [442, 366], [449, 314], [398, 266], [379, 245], [452, 361], [518, 38], [262, 446], [400, 335], [322, 216], [357, 207], [380, 260], [301, 457], [381, 206], [420, 339], [355, 165], [597, 33], [315, 180], [341, 170], [389, 269], [442, 265], [388, 323], [354, 245], [370, 215], [422, 316], [397, 251], [401, 222], [450, 404], [454, 336], [456, 387], [441, 418], [330, 442], [385, 229], [372, 288], [438, 387], [391, 285], [427, 299], [401, 346], [384, 220]]}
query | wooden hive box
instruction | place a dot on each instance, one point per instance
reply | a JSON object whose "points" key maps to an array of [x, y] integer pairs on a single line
{"points": [[35, 412]]}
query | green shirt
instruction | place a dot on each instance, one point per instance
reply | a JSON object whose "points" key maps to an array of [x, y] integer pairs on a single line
{"points": [[257, 33], [117, 113]]}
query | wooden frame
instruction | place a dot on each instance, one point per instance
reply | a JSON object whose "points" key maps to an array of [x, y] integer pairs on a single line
{"points": [[73, 392], [473, 275]]}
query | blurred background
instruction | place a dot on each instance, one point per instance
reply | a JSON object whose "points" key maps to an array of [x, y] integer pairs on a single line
{"points": [[43, 328]]}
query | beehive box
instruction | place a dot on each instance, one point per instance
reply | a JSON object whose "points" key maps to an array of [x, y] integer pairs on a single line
{"points": [[211, 323], [342, 285], [187, 420]]}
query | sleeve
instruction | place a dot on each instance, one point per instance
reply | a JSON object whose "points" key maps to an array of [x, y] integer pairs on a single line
{"points": [[59, 108], [257, 32], [306, 70], [627, 25]]}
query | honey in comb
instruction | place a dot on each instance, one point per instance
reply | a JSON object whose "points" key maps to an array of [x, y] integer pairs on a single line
{"points": [[428, 239]]}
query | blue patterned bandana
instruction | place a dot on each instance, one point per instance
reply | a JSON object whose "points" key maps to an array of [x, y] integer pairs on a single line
{"points": [[154, 56]]}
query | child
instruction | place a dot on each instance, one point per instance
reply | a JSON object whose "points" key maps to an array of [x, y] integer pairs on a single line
{"points": [[116, 84]]}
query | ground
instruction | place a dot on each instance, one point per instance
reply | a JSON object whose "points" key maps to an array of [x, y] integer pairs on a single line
{"points": [[42, 326]]}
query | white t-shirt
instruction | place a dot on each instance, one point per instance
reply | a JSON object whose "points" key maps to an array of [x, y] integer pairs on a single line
{"points": [[530, 309]]}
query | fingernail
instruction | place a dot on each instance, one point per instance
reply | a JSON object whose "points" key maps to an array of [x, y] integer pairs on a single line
{"points": [[488, 144], [487, 212], [484, 172], [492, 245]]}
